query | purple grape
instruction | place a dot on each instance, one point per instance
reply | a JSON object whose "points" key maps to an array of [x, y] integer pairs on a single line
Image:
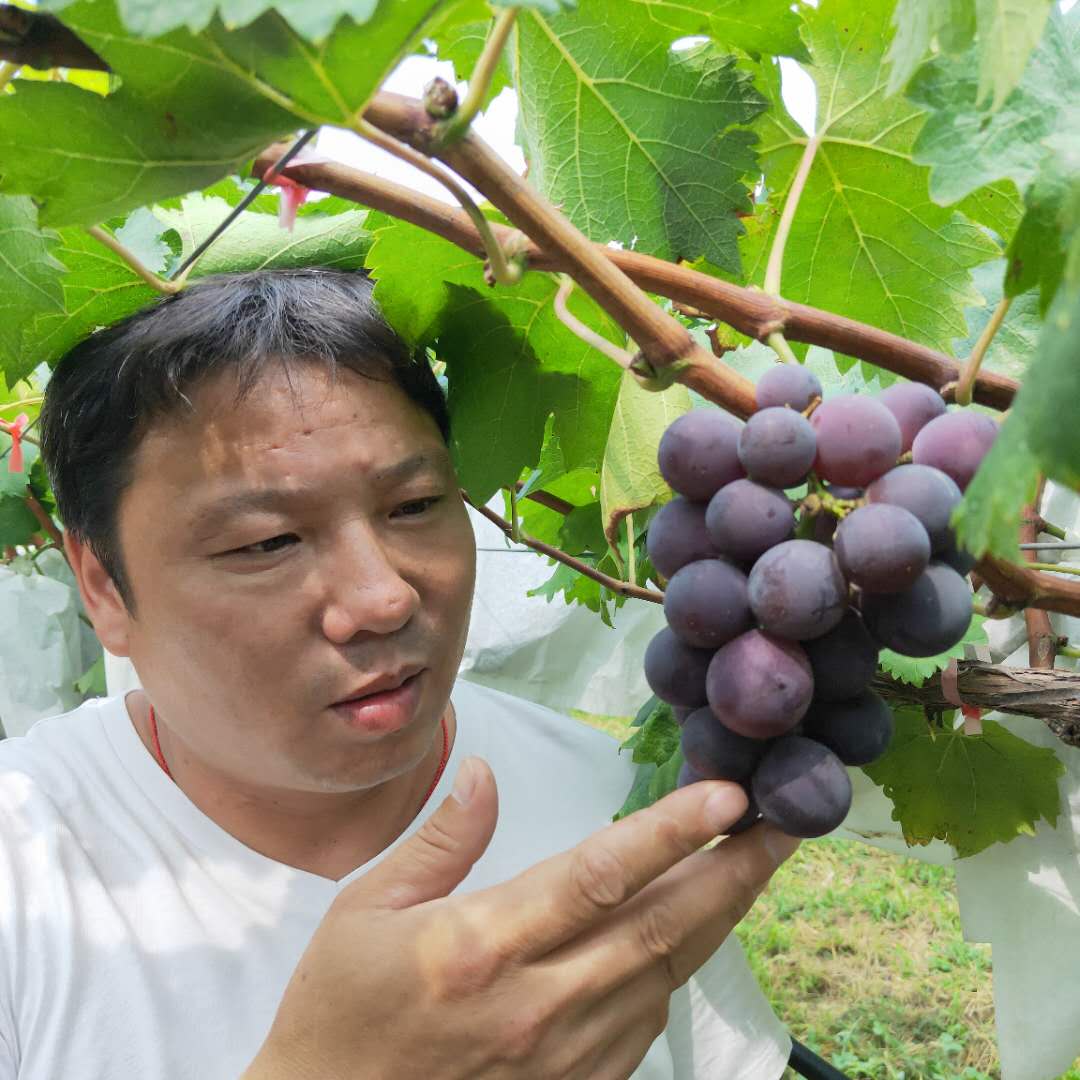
{"points": [[777, 447], [687, 776], [882, 548], [678, 536], [698, 453], [787, 384], [914, 405], [750, 818], [676, 672], [927, 493], [843, 660], [955, 443], [759, 685], [797, 591], [745, 519], [858, 439], [962, 561], [824, 522], [706, 603], [802, 787], [717, 753], [681, 713], [924, 620], [857, 731]]}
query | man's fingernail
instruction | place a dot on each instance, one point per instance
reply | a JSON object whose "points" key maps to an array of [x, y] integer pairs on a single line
{"points": [[465, 782], [779, 845]]}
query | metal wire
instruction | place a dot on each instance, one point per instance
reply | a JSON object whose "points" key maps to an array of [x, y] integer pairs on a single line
{"points": [[806, 1063], [247, 200], [1052, 545]]}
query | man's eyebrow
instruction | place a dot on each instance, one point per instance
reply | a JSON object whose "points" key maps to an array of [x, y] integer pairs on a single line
{"points": [[218, 512]]}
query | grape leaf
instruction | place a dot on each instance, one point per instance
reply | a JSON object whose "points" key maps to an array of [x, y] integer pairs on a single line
{"points": [[313, 21], [969, 790], [1016, 340], [1054, 378], [998, 206], [638, 143], [630, 478], [865, 240], [255, 241], [967, 147], [29, 282], [1008, 32], [918, 23], [99, 288], [657, 738], [915, 670], [511, 362], [1036, 252], [165, 131], [458, 34]]}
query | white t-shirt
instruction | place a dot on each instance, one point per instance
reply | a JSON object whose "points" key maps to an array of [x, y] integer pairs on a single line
{"points": [[140, 939]]}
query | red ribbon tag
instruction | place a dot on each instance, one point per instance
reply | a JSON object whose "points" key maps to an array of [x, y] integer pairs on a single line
{"points": [[15, 429], [293, 196]]}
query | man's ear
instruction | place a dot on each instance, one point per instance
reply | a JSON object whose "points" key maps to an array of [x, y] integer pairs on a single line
{"points": [[104, 605]]}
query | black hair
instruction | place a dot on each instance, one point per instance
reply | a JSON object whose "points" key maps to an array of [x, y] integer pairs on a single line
{"points": [[107, 391]]}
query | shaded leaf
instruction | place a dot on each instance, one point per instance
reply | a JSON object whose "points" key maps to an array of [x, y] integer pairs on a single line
{"points": [[915, 670], [29, 282], [969, 790]]}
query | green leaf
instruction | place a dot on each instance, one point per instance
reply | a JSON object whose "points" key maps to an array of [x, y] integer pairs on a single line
{"points": [[988, 518], [92, 681], [915, 670], [865, 240], [314, 21], [165, 131], [1054, 380], [458, 33], [1037, 251], [657, 738], [630, 478], [998, 206], [510, 360], [1008, 32], [17, 523], [918, 23], [638, 143], [29, 283], [1016, 340], [255, 241], [969, 790], [967, 147]]}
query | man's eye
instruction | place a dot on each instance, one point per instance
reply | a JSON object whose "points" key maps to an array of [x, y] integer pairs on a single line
{"points": [[264, 547], [417, 506]]}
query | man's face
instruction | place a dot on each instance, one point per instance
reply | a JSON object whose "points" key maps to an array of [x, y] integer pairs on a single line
{"points": [[251, 623]]}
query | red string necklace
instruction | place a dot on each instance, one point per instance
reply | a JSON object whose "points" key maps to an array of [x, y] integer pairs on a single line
{"points": [[434, 783]]}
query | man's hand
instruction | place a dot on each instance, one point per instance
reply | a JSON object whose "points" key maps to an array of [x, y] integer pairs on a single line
{"points": [[564, 971]]}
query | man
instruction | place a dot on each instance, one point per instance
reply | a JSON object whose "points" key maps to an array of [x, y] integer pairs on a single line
{"points": [[228, 872]]}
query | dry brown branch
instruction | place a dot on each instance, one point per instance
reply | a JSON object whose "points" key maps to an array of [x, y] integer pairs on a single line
{"points": [[1050, 696], [623, 588]]}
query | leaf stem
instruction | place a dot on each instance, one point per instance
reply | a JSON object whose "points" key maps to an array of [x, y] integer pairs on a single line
{"points": [[621, 356], [153, 280], [783, 230], [1055, 531], [616, 586], [455, 126], [974, 361], [504, 273], [779, 344], [8, 71], [37, 399], [1056, 568], [1070, 651]]}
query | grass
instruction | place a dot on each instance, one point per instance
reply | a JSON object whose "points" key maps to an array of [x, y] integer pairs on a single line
{"points": [[861, 955]]}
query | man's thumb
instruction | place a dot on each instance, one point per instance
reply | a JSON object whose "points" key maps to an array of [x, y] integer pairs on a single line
{"points": [[433, 861]]}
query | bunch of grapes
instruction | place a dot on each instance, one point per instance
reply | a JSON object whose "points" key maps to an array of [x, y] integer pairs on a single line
{"points": [[777, 608]]}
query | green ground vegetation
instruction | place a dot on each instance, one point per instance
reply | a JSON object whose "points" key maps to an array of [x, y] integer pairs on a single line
{"points": [[860, 953]]}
